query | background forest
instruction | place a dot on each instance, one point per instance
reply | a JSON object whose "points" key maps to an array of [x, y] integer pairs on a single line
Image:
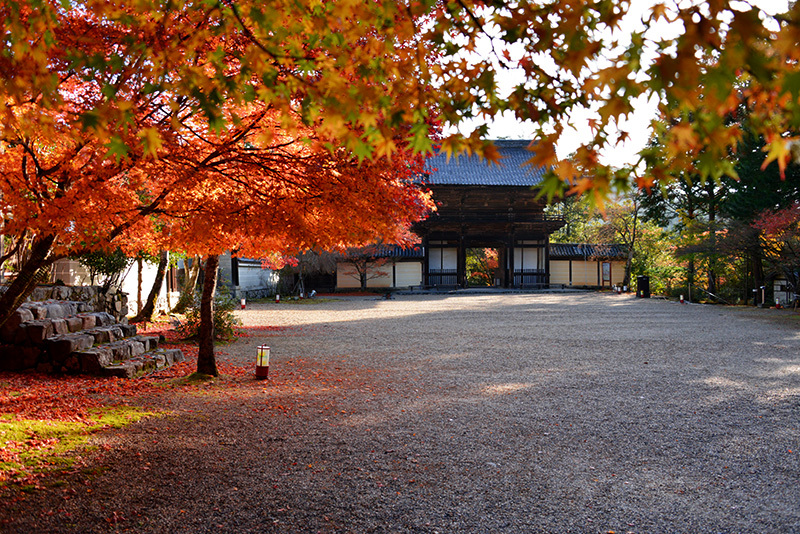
{"points": [[718, 240]]}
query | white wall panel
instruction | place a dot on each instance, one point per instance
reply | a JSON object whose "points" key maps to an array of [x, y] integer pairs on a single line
{"points": [[408, 274], [443, 258]]}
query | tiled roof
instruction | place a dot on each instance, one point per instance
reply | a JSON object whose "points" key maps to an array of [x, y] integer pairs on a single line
{"points": [[471, 170], [558, 251], [564, 251], [396, 251]]}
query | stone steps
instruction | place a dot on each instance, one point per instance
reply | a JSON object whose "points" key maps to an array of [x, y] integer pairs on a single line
{"points": [[143, 363], [66, 337]]}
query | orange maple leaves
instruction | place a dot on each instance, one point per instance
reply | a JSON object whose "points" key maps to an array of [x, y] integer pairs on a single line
{"points": [[237, 127]]}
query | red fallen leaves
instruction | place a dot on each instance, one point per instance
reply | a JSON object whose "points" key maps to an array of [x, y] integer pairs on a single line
{"points": [[162, 328], [71, 398], [10, 453], [261, 331], [12, 450], [61, 398], [50, 399], [42, 397]]}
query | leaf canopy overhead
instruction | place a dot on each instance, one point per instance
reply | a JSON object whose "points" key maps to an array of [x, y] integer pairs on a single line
{"points": [[356, 69], [114, 94]]}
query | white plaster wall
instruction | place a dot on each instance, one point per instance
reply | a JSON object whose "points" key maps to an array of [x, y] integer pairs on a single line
{"points": [[71, 272], [527, 258], [129, 285], [443, 258], [408, 274], [584, 273]]}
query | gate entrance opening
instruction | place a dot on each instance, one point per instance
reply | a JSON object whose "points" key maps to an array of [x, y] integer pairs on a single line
{"points": [[483, 267]]}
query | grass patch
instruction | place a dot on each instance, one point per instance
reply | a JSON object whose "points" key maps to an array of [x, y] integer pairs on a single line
{"points": [[194, 379], [33, 447]]}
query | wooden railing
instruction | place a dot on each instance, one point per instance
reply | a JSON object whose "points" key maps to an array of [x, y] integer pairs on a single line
{"points": [[530, 278], [442, 277]]}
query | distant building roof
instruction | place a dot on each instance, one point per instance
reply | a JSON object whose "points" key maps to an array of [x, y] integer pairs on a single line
{"points": [[558, 251], [391, 251], [471, 170], [567, 251], [396, 251]]}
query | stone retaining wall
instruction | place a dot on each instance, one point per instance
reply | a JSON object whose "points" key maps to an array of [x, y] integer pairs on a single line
{"points": [[113, 301], [79, 329]]}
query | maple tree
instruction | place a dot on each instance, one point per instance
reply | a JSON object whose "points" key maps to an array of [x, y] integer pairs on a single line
{"points": [[698, 61], [702, 62], [296, 196], [123, 125], [482, 264], [363, 264], [622, 225], [780, 241], [206, 361], [576, 212]]}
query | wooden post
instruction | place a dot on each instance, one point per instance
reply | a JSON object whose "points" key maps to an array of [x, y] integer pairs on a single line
{"points": [[510, 281], [547, 260], [426, 258], [461, 262]]}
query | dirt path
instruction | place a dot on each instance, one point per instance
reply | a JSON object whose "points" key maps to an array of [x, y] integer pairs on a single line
{"points": [[470, 414]]}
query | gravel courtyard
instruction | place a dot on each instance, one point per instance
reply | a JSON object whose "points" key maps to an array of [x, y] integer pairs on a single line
{"points": [[482, 413]]}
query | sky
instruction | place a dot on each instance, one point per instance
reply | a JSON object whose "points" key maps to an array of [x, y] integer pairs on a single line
{"points": [[638, 123]]}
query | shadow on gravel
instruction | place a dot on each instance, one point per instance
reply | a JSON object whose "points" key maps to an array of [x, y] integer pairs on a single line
{"points": [[507, 413]]}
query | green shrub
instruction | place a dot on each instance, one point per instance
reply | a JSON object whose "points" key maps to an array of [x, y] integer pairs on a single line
{"points": [[224, 318], [106, 266]]}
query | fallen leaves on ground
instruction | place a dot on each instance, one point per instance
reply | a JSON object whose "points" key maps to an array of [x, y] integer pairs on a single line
{"points": [[41, 413], [45, 420]]}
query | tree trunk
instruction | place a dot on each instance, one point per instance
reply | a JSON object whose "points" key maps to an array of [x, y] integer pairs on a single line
{"points": [[139, 262], [626, 281], [758, 274], [146, 313], [2, 262], [27, 278], [711, 279], [206, 363], [189, 286], [712, 256]]}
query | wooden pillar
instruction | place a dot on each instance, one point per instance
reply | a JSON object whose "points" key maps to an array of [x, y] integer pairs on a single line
{"points": [[461, 262], [547, 260], [510, 253], [570, 273], [426, 258]]}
